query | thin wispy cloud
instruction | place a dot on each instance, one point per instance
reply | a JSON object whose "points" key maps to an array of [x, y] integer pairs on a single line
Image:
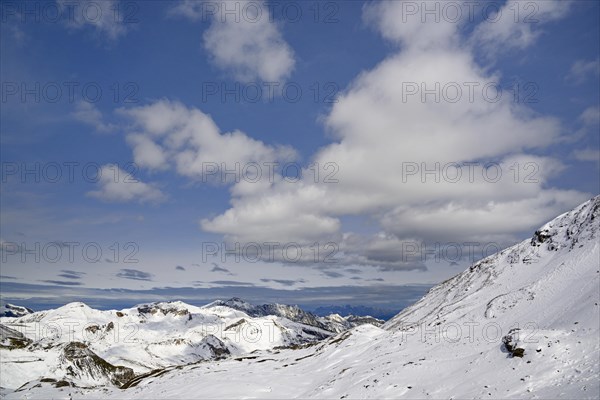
{"points": [[70, 274], [116, 185], [582, 70], [217, 268], [284, 282], [62, 283], [89, 114], [99, 16], [134, 274]]}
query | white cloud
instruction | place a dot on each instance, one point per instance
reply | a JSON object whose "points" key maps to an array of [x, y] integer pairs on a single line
{"points": [[402, 22], [246, 42], [382, 128], [286, 212], [517, 24], [146, 153], [191, 9], [484, 222], [117, 185], [582, 70], [167, 134], [88, 113], [106, 16]]}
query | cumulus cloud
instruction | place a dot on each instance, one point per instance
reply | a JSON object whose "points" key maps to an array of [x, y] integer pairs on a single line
{"points": [[167, 134], [404, 131], [147, 153], [116, 185], [383, 250], [402, 23], [245, 42], [490, 222], [99, 15]]}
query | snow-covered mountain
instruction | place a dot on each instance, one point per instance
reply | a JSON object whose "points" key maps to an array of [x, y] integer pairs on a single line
{"points": [[12, 339], [148, 337], [523, 323], [10, 310], [332, 322], [379, 313]]}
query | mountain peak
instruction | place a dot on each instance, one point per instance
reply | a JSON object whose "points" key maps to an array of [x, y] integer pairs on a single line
{"points": [[521, 280], [570, 228]]}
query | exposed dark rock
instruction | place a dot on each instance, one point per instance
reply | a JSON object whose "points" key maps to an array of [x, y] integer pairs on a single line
{"points": [[164, 308], [511, 344], [216, 346], [81, 361], [12, 339], [92, 328]]}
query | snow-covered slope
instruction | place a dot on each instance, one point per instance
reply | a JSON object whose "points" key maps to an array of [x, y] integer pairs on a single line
{"points": [[144, 338], [523, 323], [541, 280]]}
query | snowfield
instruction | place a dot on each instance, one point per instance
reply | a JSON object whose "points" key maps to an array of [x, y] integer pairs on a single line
{"points": [[83, 346], [522, 323]]}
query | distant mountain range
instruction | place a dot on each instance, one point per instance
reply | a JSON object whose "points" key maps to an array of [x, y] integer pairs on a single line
{"points": [[87, 347], [347, 310], [10, 310]]}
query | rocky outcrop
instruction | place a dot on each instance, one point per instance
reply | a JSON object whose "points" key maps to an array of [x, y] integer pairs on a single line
{"points": [[167, 308], [80, 363], [12, 339], [511, 343]]}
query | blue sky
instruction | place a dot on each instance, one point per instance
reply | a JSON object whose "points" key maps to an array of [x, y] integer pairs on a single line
{"points": [[178, 83]]}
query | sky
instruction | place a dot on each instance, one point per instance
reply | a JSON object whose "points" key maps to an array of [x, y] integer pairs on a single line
{"points": [[313, 153]]}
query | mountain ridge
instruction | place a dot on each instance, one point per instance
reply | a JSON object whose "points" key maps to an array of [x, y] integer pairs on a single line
{"points": [[149, 336]]}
